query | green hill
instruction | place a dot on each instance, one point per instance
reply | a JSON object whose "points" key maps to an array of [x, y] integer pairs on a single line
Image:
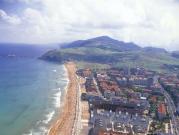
{"points": [[103, 52]]}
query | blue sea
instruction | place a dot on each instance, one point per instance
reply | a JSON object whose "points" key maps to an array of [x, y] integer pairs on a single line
{"points": [[31, 92]]}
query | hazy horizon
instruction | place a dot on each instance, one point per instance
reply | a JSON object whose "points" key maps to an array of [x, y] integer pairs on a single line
{"points": [[146, 22], [61, 44]]}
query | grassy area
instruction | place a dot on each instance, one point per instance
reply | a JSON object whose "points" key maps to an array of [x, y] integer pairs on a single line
{"points": [[86, 50], [81, 65], [95, 57]]}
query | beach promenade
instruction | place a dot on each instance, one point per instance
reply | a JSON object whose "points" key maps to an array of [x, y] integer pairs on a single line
{"points": [[69, 111]]}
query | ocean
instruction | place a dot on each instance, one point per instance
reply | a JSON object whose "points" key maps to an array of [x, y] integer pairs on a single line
{"points": [[31, 92]]}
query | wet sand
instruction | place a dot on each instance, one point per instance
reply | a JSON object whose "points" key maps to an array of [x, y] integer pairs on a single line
{"points": [[65, 122]]}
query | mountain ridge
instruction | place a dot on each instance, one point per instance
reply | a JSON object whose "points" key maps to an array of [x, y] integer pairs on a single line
{"points": [[107, 51], [103, 41]]}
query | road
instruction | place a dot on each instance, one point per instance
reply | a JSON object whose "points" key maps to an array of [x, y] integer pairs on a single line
{"points": [[77, 124], [97, 88], [171, 109]]}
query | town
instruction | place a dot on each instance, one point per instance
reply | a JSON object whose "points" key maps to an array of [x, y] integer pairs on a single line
{"points": [[129, 101]]}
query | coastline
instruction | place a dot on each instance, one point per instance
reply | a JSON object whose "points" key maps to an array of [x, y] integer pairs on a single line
{"points": [[65, 121], [58, 102]]}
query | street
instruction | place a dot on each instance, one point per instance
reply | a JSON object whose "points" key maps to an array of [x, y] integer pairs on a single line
{"points": [[171, 109]]}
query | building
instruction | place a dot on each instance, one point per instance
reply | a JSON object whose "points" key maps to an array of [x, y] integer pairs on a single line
{"points": [[161, 111], [119, 123], [122, 81], [140, 80]]}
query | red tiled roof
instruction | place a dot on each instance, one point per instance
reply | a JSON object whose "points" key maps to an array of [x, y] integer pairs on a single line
{"points": [[111, 133], [162, 108], [154, 98]]}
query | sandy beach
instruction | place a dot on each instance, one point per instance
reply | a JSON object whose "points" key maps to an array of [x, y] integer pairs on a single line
{"points": [[65, 122]]}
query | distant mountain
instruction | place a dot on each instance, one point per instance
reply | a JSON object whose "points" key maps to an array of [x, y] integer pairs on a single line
{"points": [[154, 50], [104, 42], [23, 50], [175, 54], [107, 51]]}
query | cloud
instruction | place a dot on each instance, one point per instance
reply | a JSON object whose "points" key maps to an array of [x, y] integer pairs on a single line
{"points": [[22, 1], [13, 20], [146, 22]]}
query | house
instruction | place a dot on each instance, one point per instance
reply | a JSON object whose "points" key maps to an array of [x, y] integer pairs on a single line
{"points": [[161, 111]]}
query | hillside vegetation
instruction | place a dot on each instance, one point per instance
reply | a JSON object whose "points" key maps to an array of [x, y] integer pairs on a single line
{"points": [[104, 51]]}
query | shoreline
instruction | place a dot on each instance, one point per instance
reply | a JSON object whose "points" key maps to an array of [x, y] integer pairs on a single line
{"points": [[65, 121]]}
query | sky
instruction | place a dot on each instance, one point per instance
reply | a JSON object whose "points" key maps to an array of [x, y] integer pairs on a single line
{"points": [[145, 22]]}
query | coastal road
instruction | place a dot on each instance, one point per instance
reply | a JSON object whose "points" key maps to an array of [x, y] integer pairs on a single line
{"points": [[171, 109], [77, 123]]}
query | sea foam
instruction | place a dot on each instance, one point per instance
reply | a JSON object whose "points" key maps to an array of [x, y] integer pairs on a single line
{"points": [[49, 117], [57, 98], [43, 125]]}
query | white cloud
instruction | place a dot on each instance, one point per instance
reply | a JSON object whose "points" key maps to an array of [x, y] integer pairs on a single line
{"points": [[14, 20], [22, 1], [147, 22]]}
